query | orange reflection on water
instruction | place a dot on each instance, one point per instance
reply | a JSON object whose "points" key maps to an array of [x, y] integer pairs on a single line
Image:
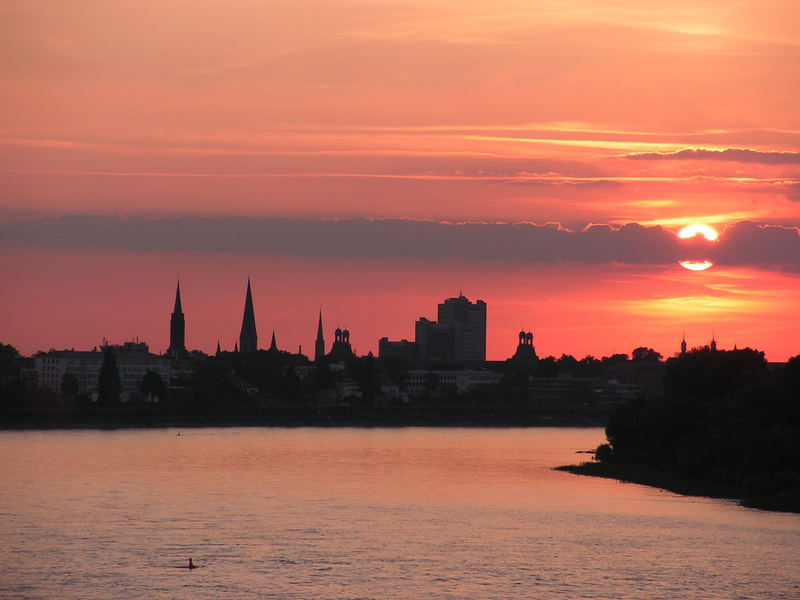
{"points": [[341, 513]]}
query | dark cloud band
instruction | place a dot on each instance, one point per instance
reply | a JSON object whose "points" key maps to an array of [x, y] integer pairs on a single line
{"points": [[744, 243]]}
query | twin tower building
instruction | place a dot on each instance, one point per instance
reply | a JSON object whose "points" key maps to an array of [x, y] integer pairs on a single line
{"points": [[458, 336], [248, 336]]}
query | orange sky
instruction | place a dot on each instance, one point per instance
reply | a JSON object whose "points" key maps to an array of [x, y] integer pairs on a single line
{"points": [[573, 112]]}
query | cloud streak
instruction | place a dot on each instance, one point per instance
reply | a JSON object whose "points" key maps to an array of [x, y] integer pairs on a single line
{"points": [[744, 243], [742, 155]]}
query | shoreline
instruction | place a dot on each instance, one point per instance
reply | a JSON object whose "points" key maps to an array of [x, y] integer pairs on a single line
{"points": [[672, 482], [113, 424], [302, 416]]}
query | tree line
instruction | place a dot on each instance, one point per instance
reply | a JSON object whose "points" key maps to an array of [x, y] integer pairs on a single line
{"points": [[725, 418]]}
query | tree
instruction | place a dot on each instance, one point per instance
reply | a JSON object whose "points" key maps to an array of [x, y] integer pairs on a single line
{"points": [[10, 384], [547, 367], [567, 364], [152, 385], [364, 372], [614, 359], [70, 386], [707, 374], [109, 386], [642, 354]]}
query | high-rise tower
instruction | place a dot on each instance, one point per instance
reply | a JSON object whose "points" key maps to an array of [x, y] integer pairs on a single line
{"points": [[248, 338], [177, 328], [319, 345], [458, 337]]}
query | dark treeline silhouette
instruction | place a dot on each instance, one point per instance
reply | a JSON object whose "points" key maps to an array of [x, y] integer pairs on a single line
{"points": [[268, 387], [590, 366], [726, 419]]}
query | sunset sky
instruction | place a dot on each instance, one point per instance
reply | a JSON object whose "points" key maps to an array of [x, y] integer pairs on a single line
{"points": [[372, 158]]}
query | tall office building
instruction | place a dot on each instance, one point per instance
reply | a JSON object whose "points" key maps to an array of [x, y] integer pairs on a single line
{"points": [[468, 322], [459, 335]]}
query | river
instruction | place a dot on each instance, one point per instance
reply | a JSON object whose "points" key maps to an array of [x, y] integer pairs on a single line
{"points": [[341, 513]]}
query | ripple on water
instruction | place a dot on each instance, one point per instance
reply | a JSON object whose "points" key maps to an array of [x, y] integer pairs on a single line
{"points": [[357, 514]]}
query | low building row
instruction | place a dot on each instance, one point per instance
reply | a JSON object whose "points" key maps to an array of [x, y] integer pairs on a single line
{"points": [[134, 360]]}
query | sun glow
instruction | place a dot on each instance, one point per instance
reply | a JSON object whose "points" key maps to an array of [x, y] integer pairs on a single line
{"points": [[689, 232], [692, 230], [696, 265]]}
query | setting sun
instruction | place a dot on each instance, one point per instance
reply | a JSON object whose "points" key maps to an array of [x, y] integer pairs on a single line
{"points": [[698, 229], [696, 265]]}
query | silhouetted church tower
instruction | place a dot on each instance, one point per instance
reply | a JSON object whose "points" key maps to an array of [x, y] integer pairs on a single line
{"points": [[177, 328], [248, 338], [319, 345], [683, 345]]}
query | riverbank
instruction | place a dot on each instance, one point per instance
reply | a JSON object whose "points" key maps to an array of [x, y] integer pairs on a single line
{"points": [[782, 502], [137, 417]]}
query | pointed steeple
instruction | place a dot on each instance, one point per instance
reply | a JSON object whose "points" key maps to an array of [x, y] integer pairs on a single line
{"points": [[178, 308], [236, 347], [177, 328], [683, 344], [219, 350], [319, 346], [272, 345], [248, 338]]}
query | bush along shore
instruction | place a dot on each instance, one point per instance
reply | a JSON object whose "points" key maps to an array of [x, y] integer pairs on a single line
{"points": [[728, 426]]}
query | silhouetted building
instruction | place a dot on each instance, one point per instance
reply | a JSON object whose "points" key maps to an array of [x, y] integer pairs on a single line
{"points": [[525, 350], [341, 348], [319, 345], [177, 329], [683, 345], [248, 338], [133, 360], [273, 346], [713, 343], [559, 393], [439, 381], [402, 349], [459, 336]]}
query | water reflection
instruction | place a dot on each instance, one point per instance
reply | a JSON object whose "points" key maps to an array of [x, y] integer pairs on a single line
{"points": [[344, 513]]}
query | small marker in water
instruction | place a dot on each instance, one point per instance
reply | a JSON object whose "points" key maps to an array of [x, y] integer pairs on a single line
{"points": [[191, 564]]}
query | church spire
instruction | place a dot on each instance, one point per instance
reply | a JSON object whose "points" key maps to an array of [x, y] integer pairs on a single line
{"points": [[273, 346], [178, 308], [319, 346], [177, 328], [683, 344], [248, 338]]}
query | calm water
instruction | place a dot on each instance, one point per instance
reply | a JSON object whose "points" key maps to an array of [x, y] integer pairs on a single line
{"points": [[364, 513]]}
